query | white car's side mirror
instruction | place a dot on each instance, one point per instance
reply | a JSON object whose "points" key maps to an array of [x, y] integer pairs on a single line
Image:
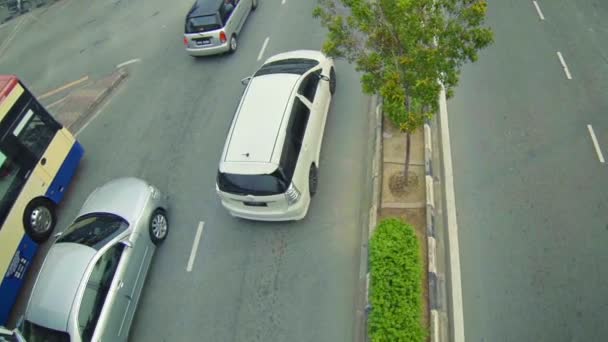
{"points": [[245, 80]]}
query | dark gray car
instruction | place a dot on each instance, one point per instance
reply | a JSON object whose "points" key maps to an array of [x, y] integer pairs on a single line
{"points": [[212, 26], [93, 274]]}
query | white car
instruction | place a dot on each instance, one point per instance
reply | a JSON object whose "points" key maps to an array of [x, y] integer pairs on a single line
{"points": [[268, 170]]}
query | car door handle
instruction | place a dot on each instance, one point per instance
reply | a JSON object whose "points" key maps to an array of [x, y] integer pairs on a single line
{"points": [[120, 285]]}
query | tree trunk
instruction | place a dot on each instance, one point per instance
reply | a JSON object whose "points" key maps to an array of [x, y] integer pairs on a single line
{"points": [[407, 158]]}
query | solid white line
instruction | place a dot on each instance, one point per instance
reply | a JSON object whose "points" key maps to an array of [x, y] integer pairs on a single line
{"points": [[131, 61], [56, 102], [540, 13], [282, 2], [600, 156], [561, 60], [197, 239], [12, 35], [94, 116], [452, 223], [263, 48]]}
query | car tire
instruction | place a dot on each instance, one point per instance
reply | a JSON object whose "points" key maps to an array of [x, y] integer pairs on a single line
{"points": [[332, 81], [159, 226], [233, 44], [39, 219], [254, 5], [313, 179]]}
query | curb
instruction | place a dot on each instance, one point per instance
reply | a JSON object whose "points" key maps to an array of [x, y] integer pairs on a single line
{"points": [[367, 231], [434, 302], [115, 79]]}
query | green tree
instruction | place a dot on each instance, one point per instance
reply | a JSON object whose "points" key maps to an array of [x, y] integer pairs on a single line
{"points": [[406, 50]]}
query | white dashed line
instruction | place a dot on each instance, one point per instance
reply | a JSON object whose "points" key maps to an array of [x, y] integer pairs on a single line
{"points": [[282, 2], [561, 60], [600, 156], [197, 239], [263, 48], [540, 13], [131, 61]]}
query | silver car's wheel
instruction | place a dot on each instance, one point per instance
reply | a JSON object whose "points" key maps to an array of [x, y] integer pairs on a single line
{"points": [[39, 219], [159, 226], [233, 44]]}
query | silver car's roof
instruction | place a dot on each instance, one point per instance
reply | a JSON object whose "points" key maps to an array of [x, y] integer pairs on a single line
{"points": [[125, 197], [57, 284]]}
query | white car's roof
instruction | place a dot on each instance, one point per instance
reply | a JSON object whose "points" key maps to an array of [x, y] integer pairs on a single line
{"points": [[53, 295], [255, 135]]}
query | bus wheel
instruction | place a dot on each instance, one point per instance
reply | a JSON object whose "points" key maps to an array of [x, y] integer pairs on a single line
{"points": [[39, 219]]}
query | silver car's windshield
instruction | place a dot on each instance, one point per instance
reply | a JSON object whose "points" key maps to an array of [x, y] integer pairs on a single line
{"points": [[94, 230], [37, 333]]}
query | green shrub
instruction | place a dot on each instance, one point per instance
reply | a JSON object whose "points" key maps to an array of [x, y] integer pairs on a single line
{"points": [[395, 284]]}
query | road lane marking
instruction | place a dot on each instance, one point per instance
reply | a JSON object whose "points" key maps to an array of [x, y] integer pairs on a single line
{"points": [[12, 35], [282, 2], [561, 60], [56, 102], [62, 88], [130, 61], [600, 156], [195, 243], [263, 48], [540, 13]]}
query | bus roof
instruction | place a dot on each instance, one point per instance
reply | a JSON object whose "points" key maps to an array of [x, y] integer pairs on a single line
{"points": [[7, 83]]}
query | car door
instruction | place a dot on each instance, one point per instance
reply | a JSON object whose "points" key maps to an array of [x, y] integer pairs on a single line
{"points": [[243, 7], [133, 269], [100, 307], [314, 93]]}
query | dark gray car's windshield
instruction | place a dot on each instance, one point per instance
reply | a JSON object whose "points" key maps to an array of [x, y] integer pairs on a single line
{"points": [[203, 23], [256, 185], [37, 333], [296, 66], [94, 230]]}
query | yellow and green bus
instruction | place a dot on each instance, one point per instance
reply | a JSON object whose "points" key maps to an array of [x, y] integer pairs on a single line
{"points": [[38, 159]]}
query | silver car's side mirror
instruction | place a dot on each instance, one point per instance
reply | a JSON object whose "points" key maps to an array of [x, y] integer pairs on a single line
{"points": [[127, 243], [58, 235], [246, 80], [324, 78]]}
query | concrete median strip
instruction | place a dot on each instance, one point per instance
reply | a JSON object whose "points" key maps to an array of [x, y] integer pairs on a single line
{"points": [[383, 204], [76, 109]]}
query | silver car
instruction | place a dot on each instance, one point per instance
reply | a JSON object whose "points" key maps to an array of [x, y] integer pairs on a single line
{"points": [[93, 274], [212, 26]]}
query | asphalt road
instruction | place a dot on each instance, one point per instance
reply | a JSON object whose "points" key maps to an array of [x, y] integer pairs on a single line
{"points": [[530, 188], [167, 123]]}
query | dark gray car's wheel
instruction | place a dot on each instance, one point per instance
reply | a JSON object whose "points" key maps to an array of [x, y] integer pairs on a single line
{"points": [[159, 226], [233, 44], [332, 81], [313, 179], [254, 5], [39, 219]]}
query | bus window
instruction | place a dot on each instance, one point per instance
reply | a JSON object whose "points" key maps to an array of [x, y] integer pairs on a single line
{"points": [[10, 183], [33, 131]]}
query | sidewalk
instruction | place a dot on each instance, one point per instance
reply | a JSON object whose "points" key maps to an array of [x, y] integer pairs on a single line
{"points": [[405, 202]]}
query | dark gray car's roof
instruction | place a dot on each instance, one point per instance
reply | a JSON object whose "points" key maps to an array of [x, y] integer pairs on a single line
{"points": [[204, 7]]}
